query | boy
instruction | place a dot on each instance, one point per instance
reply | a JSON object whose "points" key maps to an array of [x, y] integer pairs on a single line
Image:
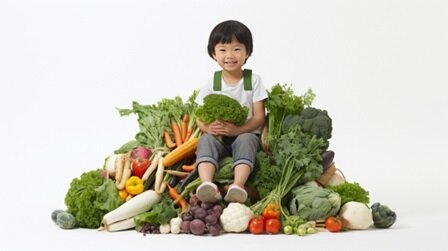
{"points": [[230, 45]]}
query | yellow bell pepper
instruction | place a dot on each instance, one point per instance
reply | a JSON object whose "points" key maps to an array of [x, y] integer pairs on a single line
{"points": [[134, 185]]}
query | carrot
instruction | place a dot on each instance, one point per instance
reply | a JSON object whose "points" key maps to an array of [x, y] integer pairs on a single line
{"points": [[177, 199], [189, 168], [184, 151], [176, 132], [188, 134], [184, 127], [177, 173], [169, 143]]}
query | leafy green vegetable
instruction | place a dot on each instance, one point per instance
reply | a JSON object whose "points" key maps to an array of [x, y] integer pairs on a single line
{"points": [[281, 102], [383, 216], [351, 192], [160, 214], [152, 123], [314, 203], [223, 108], [90, 197], [153, 120], [299, 157], [305, 150], [265, 176]]}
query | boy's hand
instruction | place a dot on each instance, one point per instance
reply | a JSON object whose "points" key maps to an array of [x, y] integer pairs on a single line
{"points": [[223, 129]]}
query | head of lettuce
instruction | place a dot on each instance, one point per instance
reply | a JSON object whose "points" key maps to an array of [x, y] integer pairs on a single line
{"points": [[219, 107]]}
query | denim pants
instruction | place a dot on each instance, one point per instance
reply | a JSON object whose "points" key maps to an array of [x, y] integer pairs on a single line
{"points": [[243, 149]]}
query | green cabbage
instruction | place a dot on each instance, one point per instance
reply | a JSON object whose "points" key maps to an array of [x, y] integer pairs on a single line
{"points": [[314, 203]]}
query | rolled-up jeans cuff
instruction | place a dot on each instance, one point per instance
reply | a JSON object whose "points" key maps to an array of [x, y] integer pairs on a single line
{"points": [[207, 159], [244, 161]]}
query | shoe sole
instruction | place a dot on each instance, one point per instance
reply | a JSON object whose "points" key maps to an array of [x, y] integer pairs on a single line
{"points": [[236, 195], [207, 194]]}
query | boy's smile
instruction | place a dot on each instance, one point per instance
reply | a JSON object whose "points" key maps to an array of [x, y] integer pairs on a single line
{"points": [[231, 56]]}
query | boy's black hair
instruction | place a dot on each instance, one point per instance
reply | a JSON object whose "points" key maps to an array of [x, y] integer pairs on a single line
{"points": [[225, 31]]}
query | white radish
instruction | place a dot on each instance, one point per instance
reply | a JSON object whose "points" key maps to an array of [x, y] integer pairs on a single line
{"points": [[137, 205], [127, 173], [109, 165], [152, 167], [120, 225], [159, 177], [118, 168]]}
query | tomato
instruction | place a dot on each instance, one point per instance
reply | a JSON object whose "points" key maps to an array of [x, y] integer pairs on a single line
{"points": [[273, 226], [333, 224], [139, 167], [256, 225], [123, 194], [271, 211]]}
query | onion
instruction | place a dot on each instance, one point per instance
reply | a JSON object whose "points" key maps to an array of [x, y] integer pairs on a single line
{"points": [[141, 152]]}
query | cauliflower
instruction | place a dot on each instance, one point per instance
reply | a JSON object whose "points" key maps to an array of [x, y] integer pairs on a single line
{"points": [[235, 217]]}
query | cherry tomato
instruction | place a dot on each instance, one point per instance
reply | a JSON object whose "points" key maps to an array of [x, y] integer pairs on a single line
{"points": [[271, 211], [123, 194], [256, 225], [333, 224], [273, 226]]}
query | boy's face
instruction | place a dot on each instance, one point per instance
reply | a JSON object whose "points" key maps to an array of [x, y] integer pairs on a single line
{"points": [[232, 56]]}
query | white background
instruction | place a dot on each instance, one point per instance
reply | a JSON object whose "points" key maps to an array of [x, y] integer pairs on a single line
{"points": [[378, 67]]}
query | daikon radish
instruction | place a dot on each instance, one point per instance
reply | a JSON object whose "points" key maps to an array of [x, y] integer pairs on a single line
{"points": [[120, 225], [137, 205]]}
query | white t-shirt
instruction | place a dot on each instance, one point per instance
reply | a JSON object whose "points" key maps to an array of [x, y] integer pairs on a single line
{"points": [[237, 92]]}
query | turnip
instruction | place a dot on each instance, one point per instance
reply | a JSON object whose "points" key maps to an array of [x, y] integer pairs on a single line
{"points": [[218, 208], [211, 219], [206, 205], [187, 216], [200, 213], [197, 227], [185, 226], [194, 201], [214, 229]]}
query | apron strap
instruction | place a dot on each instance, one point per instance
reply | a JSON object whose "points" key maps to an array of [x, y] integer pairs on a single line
{"points": [[247, 80]]}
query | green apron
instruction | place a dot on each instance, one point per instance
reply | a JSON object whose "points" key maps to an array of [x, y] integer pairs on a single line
{"points": [[247, 79]]}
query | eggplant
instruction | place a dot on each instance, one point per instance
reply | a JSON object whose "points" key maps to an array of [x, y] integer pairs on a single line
{"points": [[327, 159]]}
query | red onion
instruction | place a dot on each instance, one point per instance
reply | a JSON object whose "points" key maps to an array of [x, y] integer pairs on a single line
{"points": [[141, 152]]}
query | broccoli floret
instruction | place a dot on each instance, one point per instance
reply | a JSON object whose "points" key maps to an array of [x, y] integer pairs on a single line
{"points": [[316, 122]]}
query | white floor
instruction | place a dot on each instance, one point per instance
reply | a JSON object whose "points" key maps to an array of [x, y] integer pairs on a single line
{"points": [[411, 232]]}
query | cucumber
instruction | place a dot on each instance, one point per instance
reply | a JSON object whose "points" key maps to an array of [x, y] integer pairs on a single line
{"points": [[65, 220]]}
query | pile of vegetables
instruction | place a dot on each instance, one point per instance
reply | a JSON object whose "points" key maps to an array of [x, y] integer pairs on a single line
{"points": [[148, 184]]}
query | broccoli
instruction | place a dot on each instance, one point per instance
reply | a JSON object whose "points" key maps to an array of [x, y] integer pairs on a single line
{"points": [[222, 107], [312, 121]]}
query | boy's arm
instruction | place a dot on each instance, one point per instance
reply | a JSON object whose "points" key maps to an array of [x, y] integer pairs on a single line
{"points": [[257, 119], [252, 124]]}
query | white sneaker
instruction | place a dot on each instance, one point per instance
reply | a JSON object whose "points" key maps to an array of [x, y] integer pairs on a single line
{"points": [[236, 193], [208, 192]]}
